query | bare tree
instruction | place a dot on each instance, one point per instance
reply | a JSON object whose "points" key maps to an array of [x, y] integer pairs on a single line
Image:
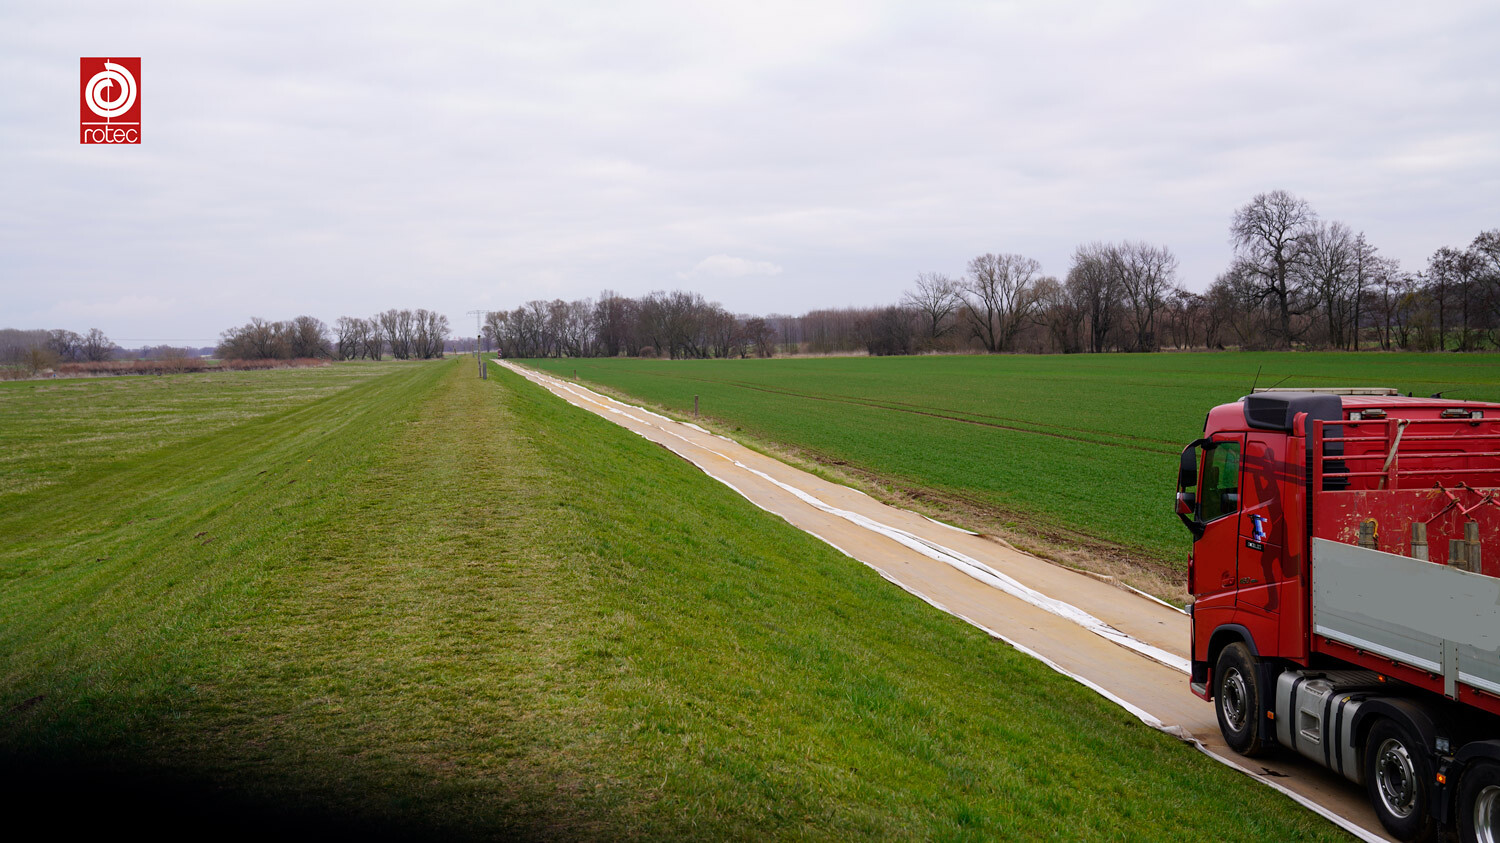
{"points": [[374, 339], [1146, 274], [615, 323], [429, 334], [1187, 316], [1332, 259], [257, 339], [722, 330], [1368, 266], [1095, 290], [1486, 256], [347, 331], [999, 297], [761, 336], [1236, 313], [65, 344], [1454, 278], [1222, 303], [1271, 235], [494, 328], [1059, 312], [935, 299], [399, 331], [307, 336], [887, 331], [95, 346]]}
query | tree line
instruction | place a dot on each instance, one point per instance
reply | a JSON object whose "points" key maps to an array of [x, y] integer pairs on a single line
{"points": [[1299, 279], [29, 352], [1295, 281], [678, 324], [403, 334]]}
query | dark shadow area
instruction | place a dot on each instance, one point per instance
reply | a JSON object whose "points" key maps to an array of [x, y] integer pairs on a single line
{"points": [[86, 800]]}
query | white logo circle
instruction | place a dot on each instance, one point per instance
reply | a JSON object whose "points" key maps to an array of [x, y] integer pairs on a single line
{"points": [[111, 76]]}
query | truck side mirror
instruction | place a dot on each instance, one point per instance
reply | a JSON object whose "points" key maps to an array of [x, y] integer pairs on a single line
{"points": [[1187, 486], [1187, 469]]}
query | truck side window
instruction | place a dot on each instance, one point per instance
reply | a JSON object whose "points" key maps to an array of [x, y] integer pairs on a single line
{"points": [[1221, 482]]}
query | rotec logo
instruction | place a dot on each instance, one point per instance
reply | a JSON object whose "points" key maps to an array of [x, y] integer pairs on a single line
{"points": [[110, 93]]}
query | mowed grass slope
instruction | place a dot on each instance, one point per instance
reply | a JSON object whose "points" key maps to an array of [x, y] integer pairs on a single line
{"points": [[50, 429], [1078, 447], [430, 604]]}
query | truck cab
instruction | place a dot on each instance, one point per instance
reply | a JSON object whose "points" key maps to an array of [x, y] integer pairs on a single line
{"points": [[1340, 578]]}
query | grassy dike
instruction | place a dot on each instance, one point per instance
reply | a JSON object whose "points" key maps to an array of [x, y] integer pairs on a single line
{"points": [[428, 604]]}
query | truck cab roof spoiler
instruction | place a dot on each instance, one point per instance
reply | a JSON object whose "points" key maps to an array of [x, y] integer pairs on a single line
{"points": [[1329, 390], [1275, 410]]}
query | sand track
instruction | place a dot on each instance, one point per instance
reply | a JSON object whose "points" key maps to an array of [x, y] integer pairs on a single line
{"points": [[1128, 647]]}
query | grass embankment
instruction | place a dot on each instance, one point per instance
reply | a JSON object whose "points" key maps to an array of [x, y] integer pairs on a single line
{"points": [[1077, 450], [52, 430], [435, 605]]}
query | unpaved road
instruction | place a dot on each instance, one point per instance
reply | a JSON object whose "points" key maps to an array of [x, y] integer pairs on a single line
{"points": [[1128, 647]]}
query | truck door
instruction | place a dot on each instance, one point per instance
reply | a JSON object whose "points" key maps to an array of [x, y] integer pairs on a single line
{"points": [[1215, 551], [1261, 522]]}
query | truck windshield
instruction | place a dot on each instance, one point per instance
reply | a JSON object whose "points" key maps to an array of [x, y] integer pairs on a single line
{"points": [[1221, 482]]}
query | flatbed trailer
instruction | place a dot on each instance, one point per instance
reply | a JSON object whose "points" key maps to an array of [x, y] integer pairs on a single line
{"points": [[1346, 582]]}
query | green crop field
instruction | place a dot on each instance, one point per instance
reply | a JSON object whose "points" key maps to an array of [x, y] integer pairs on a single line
{"points": [[1076, 447], [395, 598]]}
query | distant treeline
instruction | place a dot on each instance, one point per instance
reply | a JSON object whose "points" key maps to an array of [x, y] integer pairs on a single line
{"points": [[1295, 281], [676, 324], [64, 353], [403, 334], [177, 366], [24, 353]]}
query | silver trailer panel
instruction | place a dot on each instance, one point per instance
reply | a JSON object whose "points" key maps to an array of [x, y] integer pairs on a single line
{"points": [[1439, 619]]}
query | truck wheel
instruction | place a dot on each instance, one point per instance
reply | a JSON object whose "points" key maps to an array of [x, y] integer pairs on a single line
{"points": [[1479, 804], [1397, 773], [1237, 701]]}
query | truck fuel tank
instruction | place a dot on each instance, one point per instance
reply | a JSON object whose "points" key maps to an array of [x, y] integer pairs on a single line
{"points": [[1315, 715]]}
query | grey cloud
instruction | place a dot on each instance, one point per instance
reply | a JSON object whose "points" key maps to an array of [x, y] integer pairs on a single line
{"points": [[345, 159]]}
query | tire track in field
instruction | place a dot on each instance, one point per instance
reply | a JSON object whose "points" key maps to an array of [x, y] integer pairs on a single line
{"points": [[920, 410]]}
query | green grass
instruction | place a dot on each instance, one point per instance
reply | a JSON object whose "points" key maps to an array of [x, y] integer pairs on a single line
{"points": [[424, 602], [1076, 445], [49, 429]]}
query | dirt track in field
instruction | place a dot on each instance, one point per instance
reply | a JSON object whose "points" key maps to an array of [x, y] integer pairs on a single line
{"points": [[1128, 647]]}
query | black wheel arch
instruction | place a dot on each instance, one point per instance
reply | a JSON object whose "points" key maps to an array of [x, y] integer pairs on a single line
{"points": [[1222, 637], [1430, 727], [1266, 670], [1478, 751], [1470, 754]]}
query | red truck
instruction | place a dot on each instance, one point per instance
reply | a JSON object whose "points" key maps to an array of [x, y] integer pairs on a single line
{"points": [[1346, 582]]}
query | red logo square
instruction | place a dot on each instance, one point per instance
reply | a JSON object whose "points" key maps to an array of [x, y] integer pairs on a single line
{"points": [[109, 100]]}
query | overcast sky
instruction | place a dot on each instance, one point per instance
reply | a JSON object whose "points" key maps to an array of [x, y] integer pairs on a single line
{"points": [[777, 157]]}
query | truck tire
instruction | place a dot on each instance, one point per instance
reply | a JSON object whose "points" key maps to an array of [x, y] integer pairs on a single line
{"points": [[1397, 774], [1238, 700], [1479, 804]]}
